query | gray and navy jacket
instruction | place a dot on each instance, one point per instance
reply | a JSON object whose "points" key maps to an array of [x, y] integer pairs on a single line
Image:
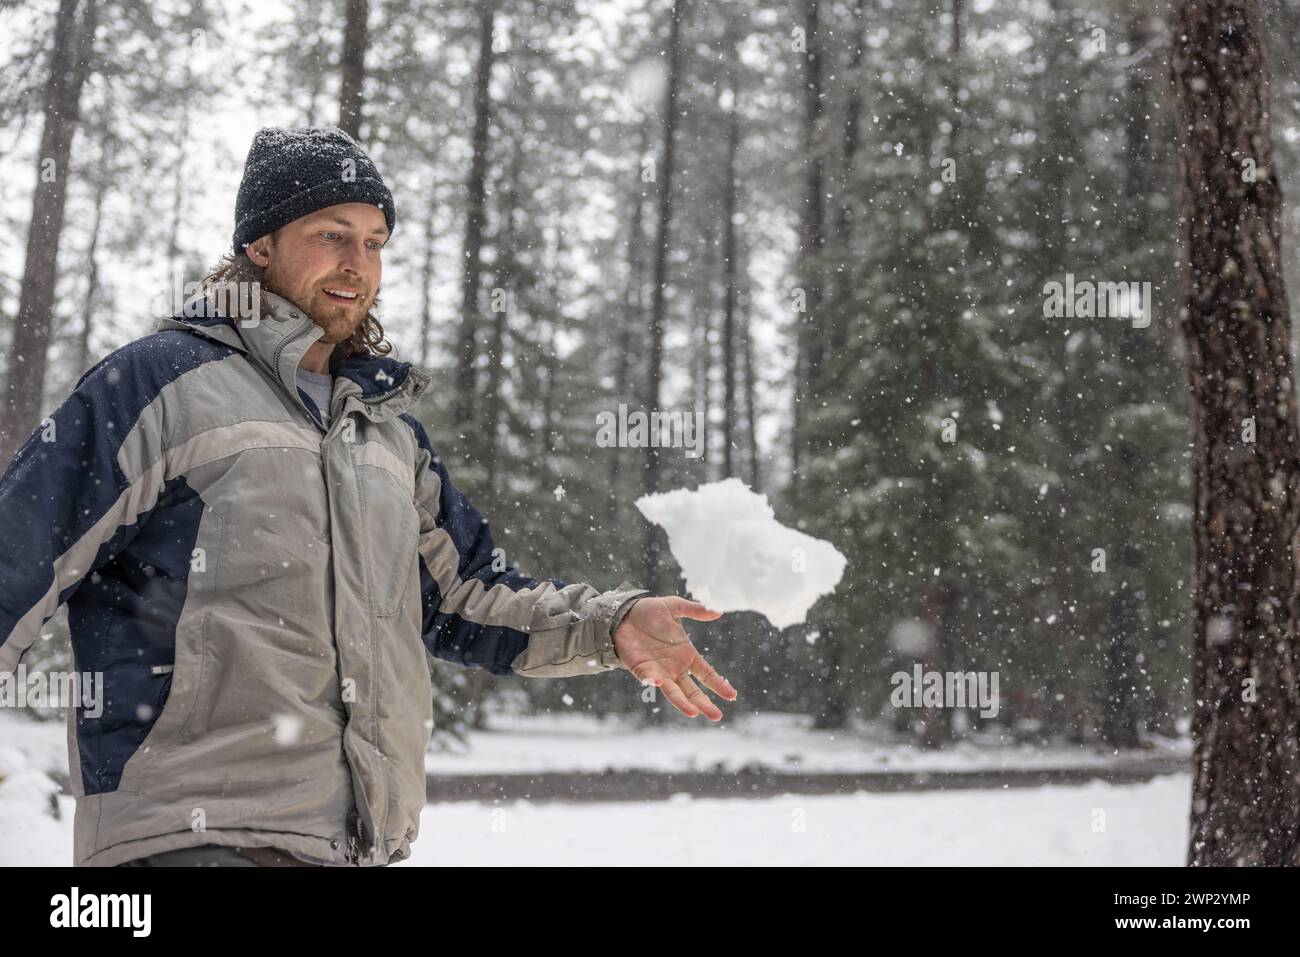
{"points": [[258, 593]]}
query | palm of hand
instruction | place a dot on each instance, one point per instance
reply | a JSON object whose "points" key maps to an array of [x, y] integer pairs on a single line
{"points": [[652, 644]]}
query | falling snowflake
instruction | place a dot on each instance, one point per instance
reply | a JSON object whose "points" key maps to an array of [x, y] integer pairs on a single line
{"points": [[288, 729]]}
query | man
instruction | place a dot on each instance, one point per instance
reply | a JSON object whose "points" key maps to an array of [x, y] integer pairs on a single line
{"points": [[257, 543]]}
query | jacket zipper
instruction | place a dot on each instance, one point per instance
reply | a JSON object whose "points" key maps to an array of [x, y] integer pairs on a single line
{"points": [[275, 370], [275, 358], [354, 840]]}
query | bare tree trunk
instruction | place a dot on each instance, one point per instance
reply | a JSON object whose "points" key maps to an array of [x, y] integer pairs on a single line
{"points": [[828, 327], [1236, 323], [476, 190], [631, 317], [426, 279], [936, 727], [506, 270], [490, 426], [1137, 153], [353, 63], [849, 140], [178, 194], [1060, 145], [703, 353], [657, 304], [1161, 718], [550, 362], [731, 201], [545, 480], [315, 81], [751, 402], [1125, 689], [69, 65], [1119, 720], [809, 347], [88, 309]]}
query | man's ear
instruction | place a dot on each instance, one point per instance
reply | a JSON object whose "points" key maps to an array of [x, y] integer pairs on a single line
{"points": [[259, 250]]}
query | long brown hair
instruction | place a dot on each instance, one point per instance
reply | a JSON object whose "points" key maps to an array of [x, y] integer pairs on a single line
{"points": [[368, 337]]}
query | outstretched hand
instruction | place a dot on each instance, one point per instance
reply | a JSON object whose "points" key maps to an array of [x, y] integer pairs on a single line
{"points": [[652, 645]]}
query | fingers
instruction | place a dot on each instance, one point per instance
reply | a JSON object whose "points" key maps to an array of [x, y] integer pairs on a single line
{"points": [[712, 680], [685, 608], [673, 692], [698, 699], [683, 693]]}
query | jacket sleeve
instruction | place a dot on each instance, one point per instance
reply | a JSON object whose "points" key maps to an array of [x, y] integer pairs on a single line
{"points": [[73, 495], [480, 612]]}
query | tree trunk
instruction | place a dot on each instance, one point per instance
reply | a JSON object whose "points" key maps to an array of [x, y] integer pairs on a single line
{"points": [[505, 268], [1236, 323], [476, 190], [657, 303], [936, 727], [545, 436], [751, 401], [426, 278], [630, 318], [708, 270], [849, 140], [70, 62], [174, 263], [809, 349], [730, 201], [1137, 152], [1119, 721], [353, 63], [88, 310]]}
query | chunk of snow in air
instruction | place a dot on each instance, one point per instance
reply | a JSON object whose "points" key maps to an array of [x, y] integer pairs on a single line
{"points": [[735, 555]]}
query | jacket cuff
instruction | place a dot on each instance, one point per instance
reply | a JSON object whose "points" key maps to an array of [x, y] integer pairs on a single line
{"points": [[607, 613], [568, 641]]}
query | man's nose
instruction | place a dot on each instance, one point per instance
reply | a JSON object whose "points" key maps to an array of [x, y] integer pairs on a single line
{"points": [[352, 260]]}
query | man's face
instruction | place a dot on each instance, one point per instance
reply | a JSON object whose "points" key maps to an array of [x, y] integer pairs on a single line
{"points": [[317, 261]]}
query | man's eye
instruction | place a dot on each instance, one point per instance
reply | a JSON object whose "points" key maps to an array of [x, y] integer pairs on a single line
{"points": [[376, 244], [329, 235]]}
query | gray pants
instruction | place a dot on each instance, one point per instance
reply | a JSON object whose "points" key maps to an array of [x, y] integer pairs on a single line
{"points": [[218, 855]]}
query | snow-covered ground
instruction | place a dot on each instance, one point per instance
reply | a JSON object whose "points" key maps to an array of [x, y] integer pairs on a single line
{"points": [[1098, 823], [1144, 825], [579, 742], [28, 743], [29, 833], [781, 742]]}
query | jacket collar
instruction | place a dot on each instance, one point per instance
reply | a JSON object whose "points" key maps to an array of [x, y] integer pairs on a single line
{"points": [[377, 386]]}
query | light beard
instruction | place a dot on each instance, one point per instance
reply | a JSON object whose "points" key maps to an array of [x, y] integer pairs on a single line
{"points": [[338, 321]]}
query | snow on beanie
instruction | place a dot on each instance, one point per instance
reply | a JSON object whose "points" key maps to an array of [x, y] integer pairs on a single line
{"points": [[291, 173]]}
